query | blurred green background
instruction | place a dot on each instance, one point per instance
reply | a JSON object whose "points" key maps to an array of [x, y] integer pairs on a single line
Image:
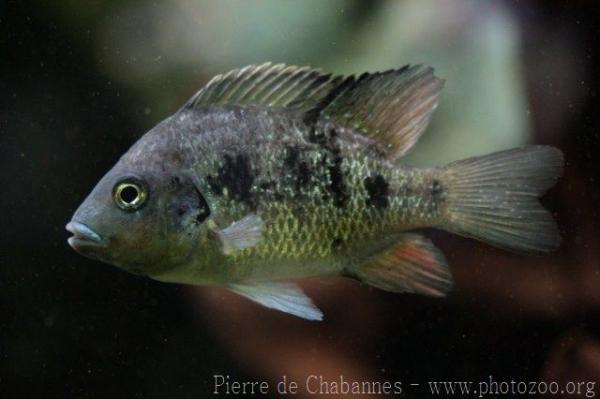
{"points": [[80, 81]]}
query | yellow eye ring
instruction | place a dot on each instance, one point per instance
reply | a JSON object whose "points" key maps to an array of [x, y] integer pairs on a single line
{"points": [[130, 195]]}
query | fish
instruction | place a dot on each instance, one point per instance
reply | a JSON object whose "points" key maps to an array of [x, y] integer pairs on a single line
{"points": [[273, 173]]}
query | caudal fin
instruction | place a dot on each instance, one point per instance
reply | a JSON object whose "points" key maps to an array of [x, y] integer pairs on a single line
{"points": [[494, 198]]}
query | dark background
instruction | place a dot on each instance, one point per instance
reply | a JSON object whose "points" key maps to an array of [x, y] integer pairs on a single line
{"points": [[71, 327]]}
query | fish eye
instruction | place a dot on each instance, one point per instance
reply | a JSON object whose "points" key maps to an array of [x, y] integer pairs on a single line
{"points": [[130, 194]]}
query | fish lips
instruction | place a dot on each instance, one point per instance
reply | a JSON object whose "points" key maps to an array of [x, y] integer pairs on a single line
{"points": [[84, 240]]}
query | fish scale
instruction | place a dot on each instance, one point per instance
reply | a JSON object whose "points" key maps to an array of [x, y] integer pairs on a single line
{"points": [[306, 229]]}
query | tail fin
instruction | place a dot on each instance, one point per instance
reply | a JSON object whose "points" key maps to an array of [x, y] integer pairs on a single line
{"points": [[494, 198]]}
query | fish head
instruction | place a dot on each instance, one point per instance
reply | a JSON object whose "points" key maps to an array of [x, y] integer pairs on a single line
{"points": [[145, 215]]}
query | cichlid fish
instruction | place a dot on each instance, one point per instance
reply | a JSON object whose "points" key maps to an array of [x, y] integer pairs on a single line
{"points": [[276, 172]]}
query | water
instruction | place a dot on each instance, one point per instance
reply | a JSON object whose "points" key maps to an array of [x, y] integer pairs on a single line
{"points": [[80, 84]]}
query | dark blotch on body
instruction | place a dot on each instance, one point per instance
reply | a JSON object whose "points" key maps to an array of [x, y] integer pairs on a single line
{"points": [[268, 187], [189, 201], [297, 168], [236, 176], [337, 186], [326, 139], [203, 208], [378, 191], [436, 188], [337, 243]]}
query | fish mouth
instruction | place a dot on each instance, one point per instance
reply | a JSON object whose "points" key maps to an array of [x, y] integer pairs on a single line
{"points": [[83, 237]]}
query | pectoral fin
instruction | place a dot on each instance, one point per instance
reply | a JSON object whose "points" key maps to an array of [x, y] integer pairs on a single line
{"points": [[412, 264], [243, 233], [285, 297]]}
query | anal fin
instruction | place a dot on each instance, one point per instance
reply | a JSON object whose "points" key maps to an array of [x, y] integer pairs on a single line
{"points": [[285, 297], [411, 264]]}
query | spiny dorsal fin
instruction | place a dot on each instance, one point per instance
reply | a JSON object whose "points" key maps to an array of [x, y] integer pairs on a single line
{"points": [[392, 107], [412, 264], [268, 85]]}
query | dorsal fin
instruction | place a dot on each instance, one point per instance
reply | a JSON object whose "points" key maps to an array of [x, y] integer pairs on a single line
{"points": [[392, 107], [268, 85]]}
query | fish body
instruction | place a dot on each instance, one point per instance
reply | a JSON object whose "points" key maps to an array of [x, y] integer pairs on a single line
{"points": [[323, 198], [272, 173]]}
